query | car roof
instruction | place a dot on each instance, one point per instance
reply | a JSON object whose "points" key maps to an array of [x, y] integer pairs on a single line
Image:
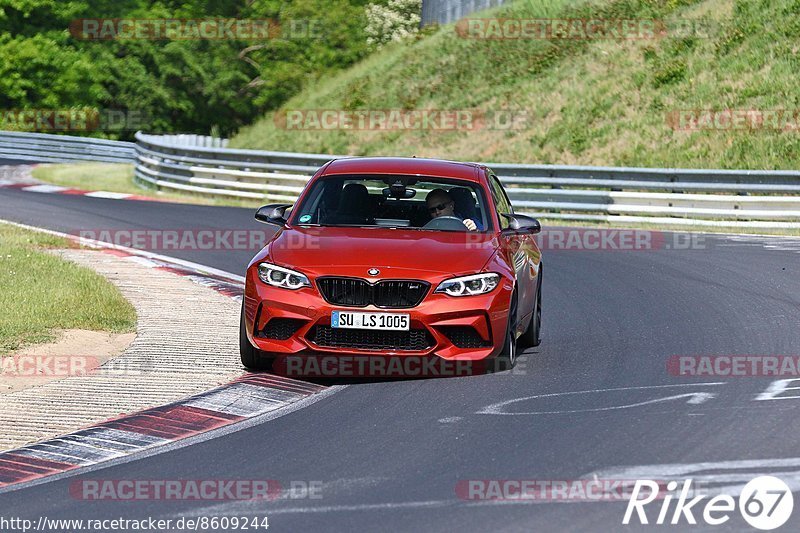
{"points": [[409, 166]]}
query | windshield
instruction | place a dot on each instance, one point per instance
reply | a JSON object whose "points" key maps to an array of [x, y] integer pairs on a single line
{"points": [[390, 201]]}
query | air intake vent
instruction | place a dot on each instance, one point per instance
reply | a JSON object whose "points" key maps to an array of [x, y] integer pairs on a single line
{"points": [[414, 340], [281, 328], [464, 337]]}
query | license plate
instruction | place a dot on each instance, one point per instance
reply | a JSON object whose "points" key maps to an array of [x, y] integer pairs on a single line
{"points": [[382, 321]]}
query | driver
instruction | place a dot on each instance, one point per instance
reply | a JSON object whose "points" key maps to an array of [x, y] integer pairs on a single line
{"points": [[440, 204]]}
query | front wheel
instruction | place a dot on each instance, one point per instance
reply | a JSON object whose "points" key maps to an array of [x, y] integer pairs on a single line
{"points": [[252, 358], [533, 335], [508, 355]]}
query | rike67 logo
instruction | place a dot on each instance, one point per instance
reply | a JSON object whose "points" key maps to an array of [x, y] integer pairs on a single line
{"points": [[765, 503]]}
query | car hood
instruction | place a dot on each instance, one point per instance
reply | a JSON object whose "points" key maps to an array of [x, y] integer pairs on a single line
{"points": [[345, 251]]}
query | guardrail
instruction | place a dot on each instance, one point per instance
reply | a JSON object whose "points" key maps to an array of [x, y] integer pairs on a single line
{"points": [[47, 148], [767, 199], [447, 11], [202, 165], [255, 174]]}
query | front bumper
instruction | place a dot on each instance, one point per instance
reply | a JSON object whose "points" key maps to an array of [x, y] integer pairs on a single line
{"points": [[440, 318]]}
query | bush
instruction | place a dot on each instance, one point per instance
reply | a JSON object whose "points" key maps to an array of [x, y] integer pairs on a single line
{"points": [[397, 20], [181, 85]]}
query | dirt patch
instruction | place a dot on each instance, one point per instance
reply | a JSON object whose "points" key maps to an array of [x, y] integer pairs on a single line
{"points": [[76, 351]]}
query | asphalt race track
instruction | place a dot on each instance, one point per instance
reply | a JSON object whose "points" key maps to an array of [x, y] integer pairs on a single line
{"points": [[389, 455]]}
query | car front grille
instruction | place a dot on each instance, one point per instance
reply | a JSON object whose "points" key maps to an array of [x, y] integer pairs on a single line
{"points": [[464, 337], [412, 340], [388, 294]]}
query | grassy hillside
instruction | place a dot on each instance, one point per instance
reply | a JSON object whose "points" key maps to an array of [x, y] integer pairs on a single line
{"points": [[598, 102]]}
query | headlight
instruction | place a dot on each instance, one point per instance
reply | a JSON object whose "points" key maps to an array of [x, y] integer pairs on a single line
{"points": [[282, 277], [469, 285]]}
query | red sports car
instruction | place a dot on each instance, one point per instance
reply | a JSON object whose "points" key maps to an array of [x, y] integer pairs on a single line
{"points": [[395, 257]]}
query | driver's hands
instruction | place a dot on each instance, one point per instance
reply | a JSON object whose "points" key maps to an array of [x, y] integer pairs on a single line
{"points": [[470, 224]]}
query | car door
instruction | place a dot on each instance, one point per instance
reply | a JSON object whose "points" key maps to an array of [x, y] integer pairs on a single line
{"points": [[519, 250]]}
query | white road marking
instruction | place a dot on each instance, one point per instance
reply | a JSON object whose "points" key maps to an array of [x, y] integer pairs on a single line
{"points": [[44, 188], [777, 387], [734, 476], [83, 449], [767, 242], [700, 397], [260, 507], [712, 478], [694, 399], [39, 453], [142, 261], [114, 439], [106, 194]]}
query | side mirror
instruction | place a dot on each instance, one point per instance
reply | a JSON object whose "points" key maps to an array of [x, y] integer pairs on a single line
{"points": [[273, 214], [522, 225]]}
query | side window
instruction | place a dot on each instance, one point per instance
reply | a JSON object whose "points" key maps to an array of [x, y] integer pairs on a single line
{"points": [[501, 201]]}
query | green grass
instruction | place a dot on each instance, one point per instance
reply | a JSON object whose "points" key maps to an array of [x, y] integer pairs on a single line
{"points": [[602, 102], [118, 177], [43, 293], [112, 177]]}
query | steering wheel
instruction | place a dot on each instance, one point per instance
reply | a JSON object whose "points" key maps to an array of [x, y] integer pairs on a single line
{"points": [[447, 223]]}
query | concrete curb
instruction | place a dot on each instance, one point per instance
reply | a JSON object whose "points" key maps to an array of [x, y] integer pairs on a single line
{"points": [[187, 342], [19, 177], [170, 357], [244, 398]]}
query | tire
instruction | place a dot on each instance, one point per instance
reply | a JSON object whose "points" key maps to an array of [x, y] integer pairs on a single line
{"points": [[533, 335], [252, 358], [508, 355]]}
